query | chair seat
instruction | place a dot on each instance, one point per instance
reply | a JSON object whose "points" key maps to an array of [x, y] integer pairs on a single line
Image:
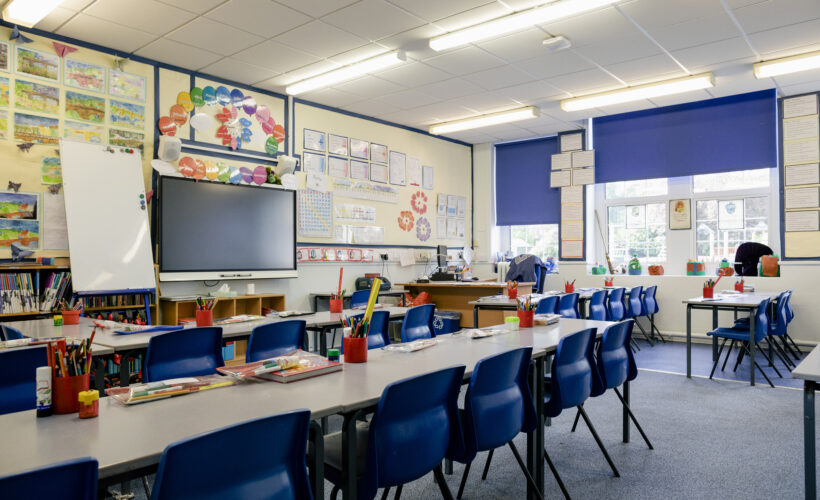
{"points": [[333, 449], [730, 333]]}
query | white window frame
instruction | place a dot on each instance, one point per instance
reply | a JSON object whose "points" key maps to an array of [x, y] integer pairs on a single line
{"points": [[600, 191]]}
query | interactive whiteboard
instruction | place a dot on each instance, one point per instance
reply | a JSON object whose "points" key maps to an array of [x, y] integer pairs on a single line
{"points": [[107, 218]]}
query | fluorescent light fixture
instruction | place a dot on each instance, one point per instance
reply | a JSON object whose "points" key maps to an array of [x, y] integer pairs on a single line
{"points": [[512, 115], [28, 12], [787, 65], [648, 91], [516, 22], [349, 72]]}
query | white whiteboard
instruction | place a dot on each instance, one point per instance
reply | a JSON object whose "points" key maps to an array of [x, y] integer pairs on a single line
{"points": [[109, 240]]}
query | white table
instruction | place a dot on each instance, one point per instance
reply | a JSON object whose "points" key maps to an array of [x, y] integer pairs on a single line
{"points": [[809, 371]]}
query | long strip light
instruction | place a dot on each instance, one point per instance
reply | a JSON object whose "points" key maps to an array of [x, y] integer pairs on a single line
{"points": [[516, 22], [28, 12], [648, 91], [787, 65], [512, 115], [349, 72]]}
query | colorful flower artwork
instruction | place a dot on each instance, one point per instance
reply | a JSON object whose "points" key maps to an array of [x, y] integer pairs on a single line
{"points": [[419, 202], [50, 170], [4, 91], [423, 229], [405, 220]]}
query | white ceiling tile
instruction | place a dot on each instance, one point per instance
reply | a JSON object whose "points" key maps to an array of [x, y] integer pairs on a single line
{"points": [[75, 4], [646, 69], [713, 53], [238, 71], [373, 19], [519, 46], [93, 30], [529, 93], [330, 97], [178, 54], [786, 38], [145, 15], [734, 4], [320, 39], [659, 13], [414, 41], [591, 80], [433, 10], [473, 16], [196, 6], [465, 61], [55, 19], [443, 112], [524, 4], [279, 82], [592, 27], [619, 50], [776, 13], [275, 56], [670, 100], [413, 74], [370, 107], [260, 17], [359, 54], [317, 8], [214, 36], [450, 89], [408, 99], [801, 88], [800, 78], [498, 78], [508, 131], [369, 86], [695, 32], [472, 137], [421, 117], [486, 102], [554, 63], [627, 107]]}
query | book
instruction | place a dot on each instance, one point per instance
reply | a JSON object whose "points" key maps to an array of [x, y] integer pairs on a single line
{"points": [[296, 365]]}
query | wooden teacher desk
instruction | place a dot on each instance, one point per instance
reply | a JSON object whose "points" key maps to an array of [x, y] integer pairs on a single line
{"points": [[457, 295]]}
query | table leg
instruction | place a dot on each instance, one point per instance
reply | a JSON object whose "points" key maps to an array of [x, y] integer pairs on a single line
{"points": [[316, 454], [625, 413], [752, 344], [535, 439], [349, 465], [323, 341], [808, 439], [688, 341], [99, 374], [315, 303], [714, 339], [475, 316]]}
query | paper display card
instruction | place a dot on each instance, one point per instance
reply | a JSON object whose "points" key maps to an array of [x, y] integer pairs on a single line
{"points": [[800, 106], [805, 127], [636, 216], [359, 170], [398, 168], [582, 159], [801, 152], [337, 167], [803, 174], [441, 228], [572, 249], [461, 207], [427, 177], [802, 198], [572, 211], [315, 140], [378, 173], [55, 233], [337, 145], [572, 230], [572, 142], [378, 153], [316, 182], [680, 214], [442, 205], [561, 161], [730, 214], [452, 205], [413, 171], [452, 227], [560, 178], [313, 163], [359, 149], [461, 229], [802, 221], [583, 176], [574, 194]]}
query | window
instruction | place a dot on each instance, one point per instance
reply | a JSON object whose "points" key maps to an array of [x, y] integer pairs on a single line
{"points": [[540, 240], [638, 230], [636, 189], [722, 225]]}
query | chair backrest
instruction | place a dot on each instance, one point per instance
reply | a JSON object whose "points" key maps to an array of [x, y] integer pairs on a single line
{"points": [[597, 306], [10, 333], [789, 310], [498, 403], [547, 305], [276, 339], [415, 425], [635, 302], [17, 377], [418, 323], [650, 302], [572, 375], [762, 320], [568, 306], [616, 304], [379, 335], [183, 353], [541, 272], [271, 461], [614, 353], [779, 320], [70, 480], [360, 298]]}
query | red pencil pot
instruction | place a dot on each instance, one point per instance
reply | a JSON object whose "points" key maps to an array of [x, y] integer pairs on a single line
{"points": [[608, 283], [739, 287], [708, 293], [66, 393], [336, 305], [71, 317], [205, 317], [569, 288], [355, 349], [525, 318], [512, 293]]}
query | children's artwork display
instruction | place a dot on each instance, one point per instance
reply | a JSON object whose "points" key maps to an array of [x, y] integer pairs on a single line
{"points": [[84, 107], [4, 91], [84, 76], [86, 132], [36, 129], [50, 170], [5, 55], [18, 205], [33, 96], [35, 63], [4, 123], [126, 114], [126, 85], [24, 232]]}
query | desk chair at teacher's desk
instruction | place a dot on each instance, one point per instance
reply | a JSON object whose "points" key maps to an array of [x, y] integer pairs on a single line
{"points": [[183, 353], [70, 480]]}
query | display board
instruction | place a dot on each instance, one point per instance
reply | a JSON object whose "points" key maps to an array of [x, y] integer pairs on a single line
{"points": [[575, 166], [390, 185]]}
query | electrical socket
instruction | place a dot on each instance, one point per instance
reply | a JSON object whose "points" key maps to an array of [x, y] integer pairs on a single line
{"points": [[384, 256]]}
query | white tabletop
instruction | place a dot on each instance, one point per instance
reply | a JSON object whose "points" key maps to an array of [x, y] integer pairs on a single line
{"points": [[543, 339], [733, 300], [809, 368]]}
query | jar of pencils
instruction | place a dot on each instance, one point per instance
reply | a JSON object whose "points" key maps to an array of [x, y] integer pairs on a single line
{"points": [[89, 404], [512, 290], [71, 367], [525, 318], [355, 349], [71, 316], [204, 317], [569, 287], [336, 305]]}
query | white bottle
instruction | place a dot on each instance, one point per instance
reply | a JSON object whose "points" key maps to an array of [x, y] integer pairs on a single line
{"points": [[43, 379]]}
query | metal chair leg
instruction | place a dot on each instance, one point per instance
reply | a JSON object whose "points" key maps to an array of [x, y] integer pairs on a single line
{"points": [[634, 345], [463, 480], [334, 493], [524, 470], [793, 343], [634, 420], [442, 484], [146, 487], [487, 465], [777, 349], [717, 358], [728, 353], [385, 493], [398, 492], [655, 328], [575, 424], [764, 374], [788, 348], [643, 332], [556, 475], [598, 440], [741, 352], [766, 355]]}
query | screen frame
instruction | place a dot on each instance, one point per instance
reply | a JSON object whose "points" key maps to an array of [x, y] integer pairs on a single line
{"points": [[225, 274]]}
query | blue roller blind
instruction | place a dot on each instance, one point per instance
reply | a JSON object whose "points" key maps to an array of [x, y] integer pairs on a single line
{"points": [[738, 132], [522, 192]]}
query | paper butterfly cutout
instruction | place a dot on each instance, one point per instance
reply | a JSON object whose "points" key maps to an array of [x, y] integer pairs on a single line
{"points": [[55, 188], [14, 186], [63, 49], [19, 253], [25, 147], [21, 38]]}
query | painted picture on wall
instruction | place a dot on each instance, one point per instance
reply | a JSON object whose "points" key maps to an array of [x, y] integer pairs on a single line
{"points": [[36, 129], [18, 205], [126, 139], [5, 54], [4, 91], [126, 85], [25, 232], [84, 107], [4, 124], [86, 132], [126, 114], [36, 97], [35, 63], [84, 76], [50, 170]]}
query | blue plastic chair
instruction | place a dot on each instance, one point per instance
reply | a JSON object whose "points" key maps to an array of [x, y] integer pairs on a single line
{"points": [[568, 306], [360, 298], [70, 480], [497, 406], [541, 273], [634, 310], [379, 335], [17, 378], [10, 333], [270, 462], [615, 306], [276, 339], [547, 305], [743, 337], [650, 308], [789, 318], [418, 323], [183, 353], [415, 425], [597, 306]]}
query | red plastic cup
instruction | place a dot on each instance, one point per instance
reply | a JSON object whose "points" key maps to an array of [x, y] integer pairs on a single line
{"points": [[608, 283], [512, 293], [66, 392], [355, 349], [205, 317], [71, 317], [525, 318], [569, 288], [708, 293], [739, 287], [336, 305]]}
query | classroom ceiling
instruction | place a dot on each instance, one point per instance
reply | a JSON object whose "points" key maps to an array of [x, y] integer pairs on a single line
{"points": [[270, 44]]}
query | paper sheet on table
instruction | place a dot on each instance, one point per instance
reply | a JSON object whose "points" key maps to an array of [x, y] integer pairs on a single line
{"points": [[802, 197], [561, 161], [800, 106], [583, 159], [572, 142], [573, 194], [55, 235], [804, 151], [802, 174], [804, 127], [808, 220], [479, 333]]}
